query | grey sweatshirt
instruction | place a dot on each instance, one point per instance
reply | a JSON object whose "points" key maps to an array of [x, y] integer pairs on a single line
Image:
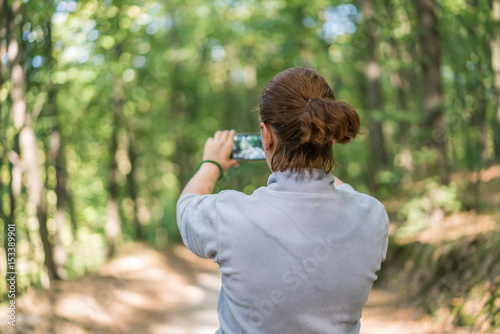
{"points": [[297, 256]]}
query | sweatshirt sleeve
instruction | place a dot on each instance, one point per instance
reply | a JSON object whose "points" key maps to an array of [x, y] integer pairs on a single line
{"points": [[197, 222], [385, 220]]}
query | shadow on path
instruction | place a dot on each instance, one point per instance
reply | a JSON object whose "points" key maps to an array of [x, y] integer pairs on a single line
{"points": [[141, 291], [146, 291]]}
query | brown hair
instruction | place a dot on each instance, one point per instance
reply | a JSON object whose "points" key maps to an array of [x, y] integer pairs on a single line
{"points": [[301, 109]]}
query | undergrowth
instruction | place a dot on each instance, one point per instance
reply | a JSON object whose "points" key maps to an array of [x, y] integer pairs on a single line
{"points": [[456, 281]]}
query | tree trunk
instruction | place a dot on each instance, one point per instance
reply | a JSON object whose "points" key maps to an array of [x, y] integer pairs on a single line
{"points": [[113, 225], [132, 184], [480, 121], [399, 81], [36, 191], [180, 114], [60, 256], [27, 139], [7, 218], [58, 162], [14, 189], [495, 63], [373, 94], [3, 215], [479, 114], [3, 35], [430, 59]]}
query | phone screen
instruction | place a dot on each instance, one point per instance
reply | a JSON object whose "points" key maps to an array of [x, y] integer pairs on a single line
{"points": [[247, 146]]}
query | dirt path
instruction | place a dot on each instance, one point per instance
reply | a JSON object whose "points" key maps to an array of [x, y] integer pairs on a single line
{"points": [[144, 291]]}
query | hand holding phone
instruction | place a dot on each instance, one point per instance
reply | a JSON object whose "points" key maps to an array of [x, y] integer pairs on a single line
{"points": [[219, 147], [248, 146]]}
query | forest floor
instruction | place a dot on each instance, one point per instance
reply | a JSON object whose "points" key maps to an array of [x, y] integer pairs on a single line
{"points": [[146, 291]]}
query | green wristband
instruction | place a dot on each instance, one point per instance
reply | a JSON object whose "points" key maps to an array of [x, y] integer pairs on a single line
{"points": [[214, 162]]}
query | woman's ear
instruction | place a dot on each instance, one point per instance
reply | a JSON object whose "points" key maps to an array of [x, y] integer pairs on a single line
{"points": [[267, 135]]}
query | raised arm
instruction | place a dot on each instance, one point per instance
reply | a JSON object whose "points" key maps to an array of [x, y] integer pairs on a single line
{"points": [[217, 148]]}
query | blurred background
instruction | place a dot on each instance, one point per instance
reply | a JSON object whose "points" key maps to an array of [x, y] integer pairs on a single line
{"points": [[105, 107]]}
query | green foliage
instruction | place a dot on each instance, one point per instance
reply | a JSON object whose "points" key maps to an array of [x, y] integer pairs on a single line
{"points": [[456, 281], [429, 208]]}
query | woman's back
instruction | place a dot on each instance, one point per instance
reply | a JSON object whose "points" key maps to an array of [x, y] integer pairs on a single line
{"points": [[297, 256]]}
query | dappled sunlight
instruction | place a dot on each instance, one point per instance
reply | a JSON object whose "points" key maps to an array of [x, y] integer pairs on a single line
{"points": [[484, 175], [182, 328], [83, 308], [209, 280], [125, 264], [140, 291], [134, 299], [384, 314], [193, 294], [455, 227], [186, 255], [116, 301]]}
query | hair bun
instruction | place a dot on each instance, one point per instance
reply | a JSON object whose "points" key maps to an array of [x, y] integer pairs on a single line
{"points": [[303, 113], [325, 120]]}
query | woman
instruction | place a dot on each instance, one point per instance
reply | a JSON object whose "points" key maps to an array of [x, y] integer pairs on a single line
{"points": [[300, 255]]}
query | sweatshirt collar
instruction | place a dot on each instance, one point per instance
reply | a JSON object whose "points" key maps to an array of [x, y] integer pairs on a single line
{"points": [[304, 181]]}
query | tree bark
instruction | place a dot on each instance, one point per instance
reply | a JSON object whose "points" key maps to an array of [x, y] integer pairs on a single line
{"points": [[14, 188], [430, 59], [7, 218], [27, 139], [3, 216], [113, 225], [373, 94], [3, 39], [58, 162], [399, 79], [495, 64], [181, 114], [480, 121], [132, 184]]}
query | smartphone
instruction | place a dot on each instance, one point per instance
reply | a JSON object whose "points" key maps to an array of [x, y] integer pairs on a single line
{"points": [[247, 146]]}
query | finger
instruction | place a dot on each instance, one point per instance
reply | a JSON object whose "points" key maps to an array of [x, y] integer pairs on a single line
{"points": [[217, 135], [222, 136], [225, 136], [230, 139], [231, 135]]}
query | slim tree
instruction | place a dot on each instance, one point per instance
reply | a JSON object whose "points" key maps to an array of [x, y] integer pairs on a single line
{"points": [[495, 62], [113, 229], [57, 160], [27, 139], [132, 182], [433, 97], [113, 224], [373, 91], [400, 76], [14, 186], [3, 215]]}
